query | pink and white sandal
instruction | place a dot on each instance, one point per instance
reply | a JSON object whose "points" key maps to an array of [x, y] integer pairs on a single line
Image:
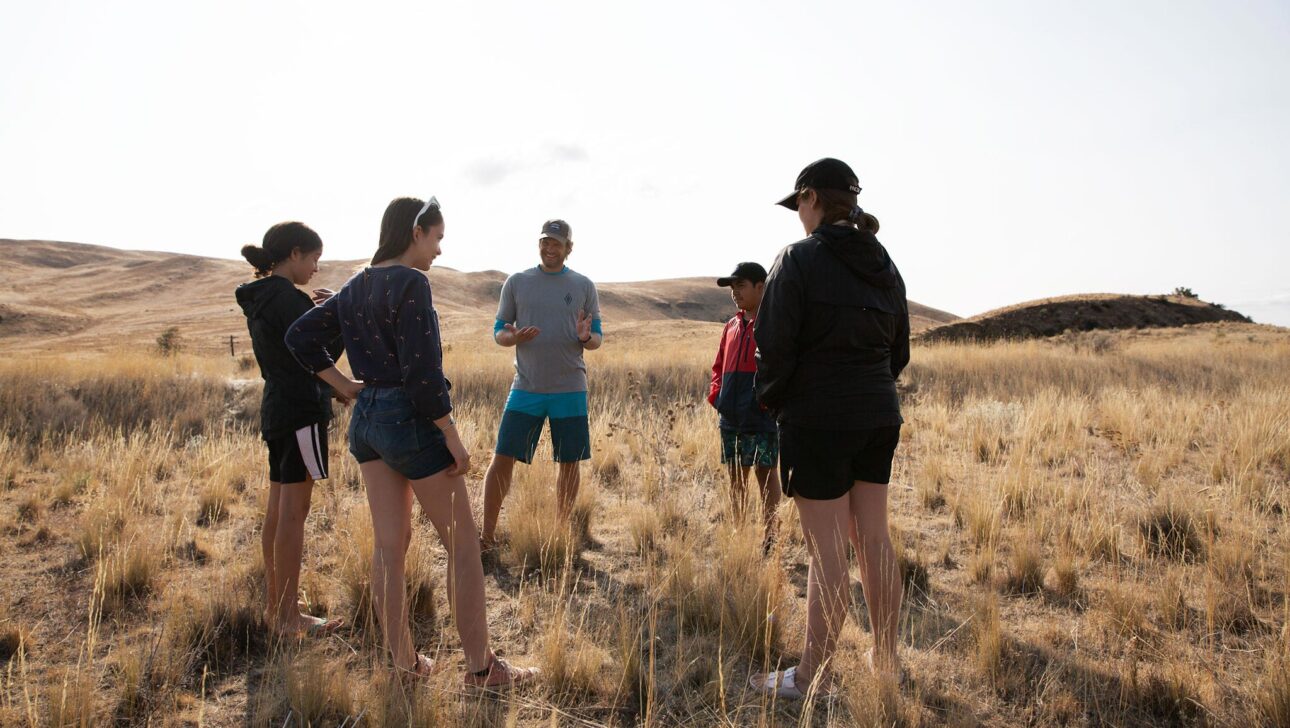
{"points": [[780, 683], [499, 674]]}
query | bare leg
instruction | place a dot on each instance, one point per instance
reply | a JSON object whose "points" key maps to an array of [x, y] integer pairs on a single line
{"points": [[390, 499], [879, 570], [566, 487], [445, 500], [268, 535], [738, 490], [288, 550], [497, 484], [828, 593], [768, 478]]}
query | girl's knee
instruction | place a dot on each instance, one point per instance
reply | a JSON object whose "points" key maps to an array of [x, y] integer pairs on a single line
{"points": [[875, 543]]}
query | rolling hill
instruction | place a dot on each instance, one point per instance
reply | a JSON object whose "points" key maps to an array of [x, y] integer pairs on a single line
{"points": [[56, 295]]}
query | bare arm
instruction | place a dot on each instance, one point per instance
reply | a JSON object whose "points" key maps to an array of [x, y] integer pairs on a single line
{"points": [[346, 389], [460, 455]]}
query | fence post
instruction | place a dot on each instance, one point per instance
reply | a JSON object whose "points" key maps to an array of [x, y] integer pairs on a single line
{"points": [[230, 346]]}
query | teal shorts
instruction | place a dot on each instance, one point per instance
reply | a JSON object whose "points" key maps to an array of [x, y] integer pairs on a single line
{"points": [[522, 421], [750, 448]]}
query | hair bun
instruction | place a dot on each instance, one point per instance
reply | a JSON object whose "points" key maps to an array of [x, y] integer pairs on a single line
{"points": [[257, 257]]}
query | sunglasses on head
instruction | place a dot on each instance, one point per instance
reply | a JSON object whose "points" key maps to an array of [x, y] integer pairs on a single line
{"points": [[432, 202]]}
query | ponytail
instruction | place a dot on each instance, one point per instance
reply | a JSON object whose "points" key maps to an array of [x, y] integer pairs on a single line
{"points": [[841, 205], [280, 242], [863, 220]]}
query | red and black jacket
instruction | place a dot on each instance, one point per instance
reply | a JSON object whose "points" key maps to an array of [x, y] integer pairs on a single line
{"points": [[732, 380]]}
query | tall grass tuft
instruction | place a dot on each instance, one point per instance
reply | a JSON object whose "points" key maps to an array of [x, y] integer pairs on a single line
{"points": [[1171, 529]]}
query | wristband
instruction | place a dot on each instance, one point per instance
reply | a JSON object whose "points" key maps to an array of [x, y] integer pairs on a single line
{"points": [[586, 340]]}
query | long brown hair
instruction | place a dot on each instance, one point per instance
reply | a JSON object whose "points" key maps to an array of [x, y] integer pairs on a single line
{"points": [[397, 223]]}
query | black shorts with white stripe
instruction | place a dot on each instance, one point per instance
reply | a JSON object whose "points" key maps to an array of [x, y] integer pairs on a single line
{"points": [[300, 456]]}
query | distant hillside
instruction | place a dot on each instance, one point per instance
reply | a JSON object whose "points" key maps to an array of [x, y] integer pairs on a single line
{"points": [[57, 295], [1053, 316]]}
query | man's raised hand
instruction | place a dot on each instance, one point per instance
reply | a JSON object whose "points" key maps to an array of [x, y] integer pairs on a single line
{"points": [[584, 326], [526, 334]]}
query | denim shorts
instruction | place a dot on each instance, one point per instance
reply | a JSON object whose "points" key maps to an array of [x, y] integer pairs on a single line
{"points": [[385, 426]]}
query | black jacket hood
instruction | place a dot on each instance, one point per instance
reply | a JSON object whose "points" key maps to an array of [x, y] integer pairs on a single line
{"points": [[255, 296], [861, 252]]}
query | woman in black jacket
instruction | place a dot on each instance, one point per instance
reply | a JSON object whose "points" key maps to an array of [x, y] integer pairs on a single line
{"points": [[832, 336], [293, 415]]}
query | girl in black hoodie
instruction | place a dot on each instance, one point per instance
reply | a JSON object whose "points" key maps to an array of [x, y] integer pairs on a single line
{"points": [[832, 336], [293, 415]]}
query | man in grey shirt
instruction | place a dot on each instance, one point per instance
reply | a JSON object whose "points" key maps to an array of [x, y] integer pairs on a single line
{"points": [[550, 314]]}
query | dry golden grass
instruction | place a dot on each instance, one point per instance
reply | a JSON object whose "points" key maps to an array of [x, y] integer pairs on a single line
{"points": [[1091, 532]]}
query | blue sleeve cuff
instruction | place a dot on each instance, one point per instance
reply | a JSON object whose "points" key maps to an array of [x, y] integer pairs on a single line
{"points": [[595, 327], [498, 325]]}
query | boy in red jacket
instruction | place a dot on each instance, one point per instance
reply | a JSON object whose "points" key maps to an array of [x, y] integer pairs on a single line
{"points": [[749, 435]]}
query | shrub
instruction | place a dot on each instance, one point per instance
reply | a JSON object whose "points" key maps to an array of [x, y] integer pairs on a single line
{"points": [[170, 342]]}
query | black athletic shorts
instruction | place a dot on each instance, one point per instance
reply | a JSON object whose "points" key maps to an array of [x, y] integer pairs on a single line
{"points": [[820, 464], [300, 456]]}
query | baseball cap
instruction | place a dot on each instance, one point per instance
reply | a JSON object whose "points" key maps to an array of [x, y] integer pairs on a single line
{"points": [[751, 272], [558, 230], [823, 174]]}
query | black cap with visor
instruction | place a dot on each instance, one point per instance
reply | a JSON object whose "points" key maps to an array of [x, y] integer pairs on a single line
{"points": [[823, 174], [751, 272]]}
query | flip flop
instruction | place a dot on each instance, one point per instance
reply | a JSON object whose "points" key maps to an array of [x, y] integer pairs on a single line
{"points": [[781, 683], [319, 627]]}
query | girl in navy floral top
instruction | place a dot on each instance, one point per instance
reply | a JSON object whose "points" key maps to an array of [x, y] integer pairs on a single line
{"points": [[402, 432]]}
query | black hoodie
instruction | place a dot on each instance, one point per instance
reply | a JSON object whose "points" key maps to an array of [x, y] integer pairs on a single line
{"points": [[833, 333], [293, 398]]}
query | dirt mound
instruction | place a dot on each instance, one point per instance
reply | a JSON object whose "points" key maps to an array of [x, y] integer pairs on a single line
{"points": [[1097, 312]]}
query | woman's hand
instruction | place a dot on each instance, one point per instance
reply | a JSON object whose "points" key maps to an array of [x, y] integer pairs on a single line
{"points": [[321, 295], [452, 438], [346, 389]]}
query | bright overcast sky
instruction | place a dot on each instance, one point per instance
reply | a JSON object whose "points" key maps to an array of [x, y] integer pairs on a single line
{"points": [[1012, 150]]}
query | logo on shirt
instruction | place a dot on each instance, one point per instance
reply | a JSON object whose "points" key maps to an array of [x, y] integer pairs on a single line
{"points": [[568, 299]]}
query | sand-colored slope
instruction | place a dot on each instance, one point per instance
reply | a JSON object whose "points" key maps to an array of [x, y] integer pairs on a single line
{"points": [[56, 295]]}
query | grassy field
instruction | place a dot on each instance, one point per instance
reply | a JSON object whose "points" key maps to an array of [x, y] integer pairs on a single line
{"points": [[1093, 531]]}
